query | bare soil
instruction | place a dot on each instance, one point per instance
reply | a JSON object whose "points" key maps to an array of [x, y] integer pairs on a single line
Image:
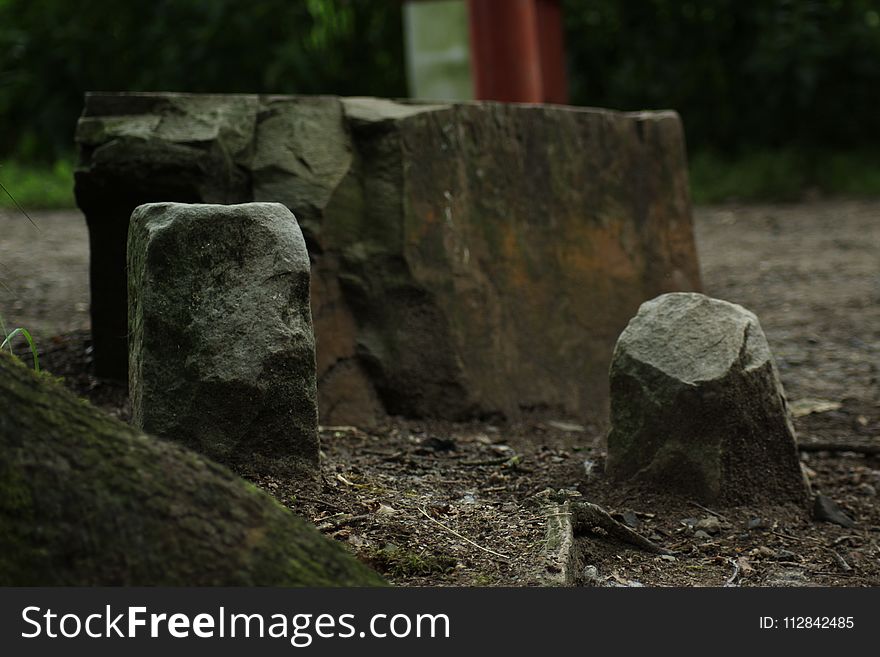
{"points": [[432, 503]]}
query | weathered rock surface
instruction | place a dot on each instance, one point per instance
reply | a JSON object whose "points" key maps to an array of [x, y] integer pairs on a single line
{"points": [[697, 407], [161, 147], [468, 259], [86, 500], [222, 353]]}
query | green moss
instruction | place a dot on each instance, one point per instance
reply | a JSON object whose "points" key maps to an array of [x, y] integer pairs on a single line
{"points": [[86, 500], [16, 503], [14, 495], [397, 562]]}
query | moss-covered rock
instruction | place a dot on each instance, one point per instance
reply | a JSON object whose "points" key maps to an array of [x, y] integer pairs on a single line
{"points": [[87, 500]]}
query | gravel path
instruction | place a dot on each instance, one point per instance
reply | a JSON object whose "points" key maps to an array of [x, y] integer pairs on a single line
{"points": [[44, 273], [812, 275]]}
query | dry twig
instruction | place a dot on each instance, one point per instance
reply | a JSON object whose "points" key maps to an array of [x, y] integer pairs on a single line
{"points": [[496, 461], [840, 561], [341, 519], [858, 448], [344, 428], [464, 538], [732, 579], [709, 511], [586, 515]]}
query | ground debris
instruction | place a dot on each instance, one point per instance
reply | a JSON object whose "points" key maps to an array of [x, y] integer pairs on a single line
{"points": [[800, 284], [586, 516], [824, 508]]}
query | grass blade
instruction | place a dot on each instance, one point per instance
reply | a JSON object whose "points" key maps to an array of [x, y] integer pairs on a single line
{"points": [[27, 336], [23, 211]]}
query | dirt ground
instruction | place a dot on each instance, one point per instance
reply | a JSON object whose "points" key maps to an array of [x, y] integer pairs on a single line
{"points": [[431, 503]]}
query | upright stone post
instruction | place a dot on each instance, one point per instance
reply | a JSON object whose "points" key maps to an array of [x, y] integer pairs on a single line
{"points": [[221, 348], [697, 408]]}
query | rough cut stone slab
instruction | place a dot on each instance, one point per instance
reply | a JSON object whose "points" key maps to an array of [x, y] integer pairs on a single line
{"points": [[143, 148], [467, 259], [697, 407], [222, 354]]}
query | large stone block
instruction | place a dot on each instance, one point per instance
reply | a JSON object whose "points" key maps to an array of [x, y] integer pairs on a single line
{"points": [[222, 354], [697, 407], [468, 259], [142, 148]]}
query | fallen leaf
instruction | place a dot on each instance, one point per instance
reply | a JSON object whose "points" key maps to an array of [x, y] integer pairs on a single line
{"points": [[809, 405], [569, 427], [824, 508]]}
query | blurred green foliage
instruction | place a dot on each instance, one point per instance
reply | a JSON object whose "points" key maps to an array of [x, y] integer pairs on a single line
{"points": [[36, 185], [783, 174], [763, 73], [52, 51]]}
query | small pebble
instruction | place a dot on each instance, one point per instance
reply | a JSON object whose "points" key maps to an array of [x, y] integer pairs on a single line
{"points": [[824, 508], [786, 555], [590, 575], [709, 524], [589, 466], [757, 523], [630, 519], [867, 489]]}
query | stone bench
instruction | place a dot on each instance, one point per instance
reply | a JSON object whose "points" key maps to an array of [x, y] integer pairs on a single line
{"points": [[472, 259]]}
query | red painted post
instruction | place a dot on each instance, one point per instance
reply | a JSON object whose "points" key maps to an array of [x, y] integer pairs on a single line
{"points": [[517, 51], [552, 48], [505, 53]]}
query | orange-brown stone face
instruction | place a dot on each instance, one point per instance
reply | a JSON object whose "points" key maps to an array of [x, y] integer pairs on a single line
{"points": [[538, 232]]}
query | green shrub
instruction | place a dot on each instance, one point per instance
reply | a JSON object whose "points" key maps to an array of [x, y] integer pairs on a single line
{"points": [[37, 186], [782, 175]]}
